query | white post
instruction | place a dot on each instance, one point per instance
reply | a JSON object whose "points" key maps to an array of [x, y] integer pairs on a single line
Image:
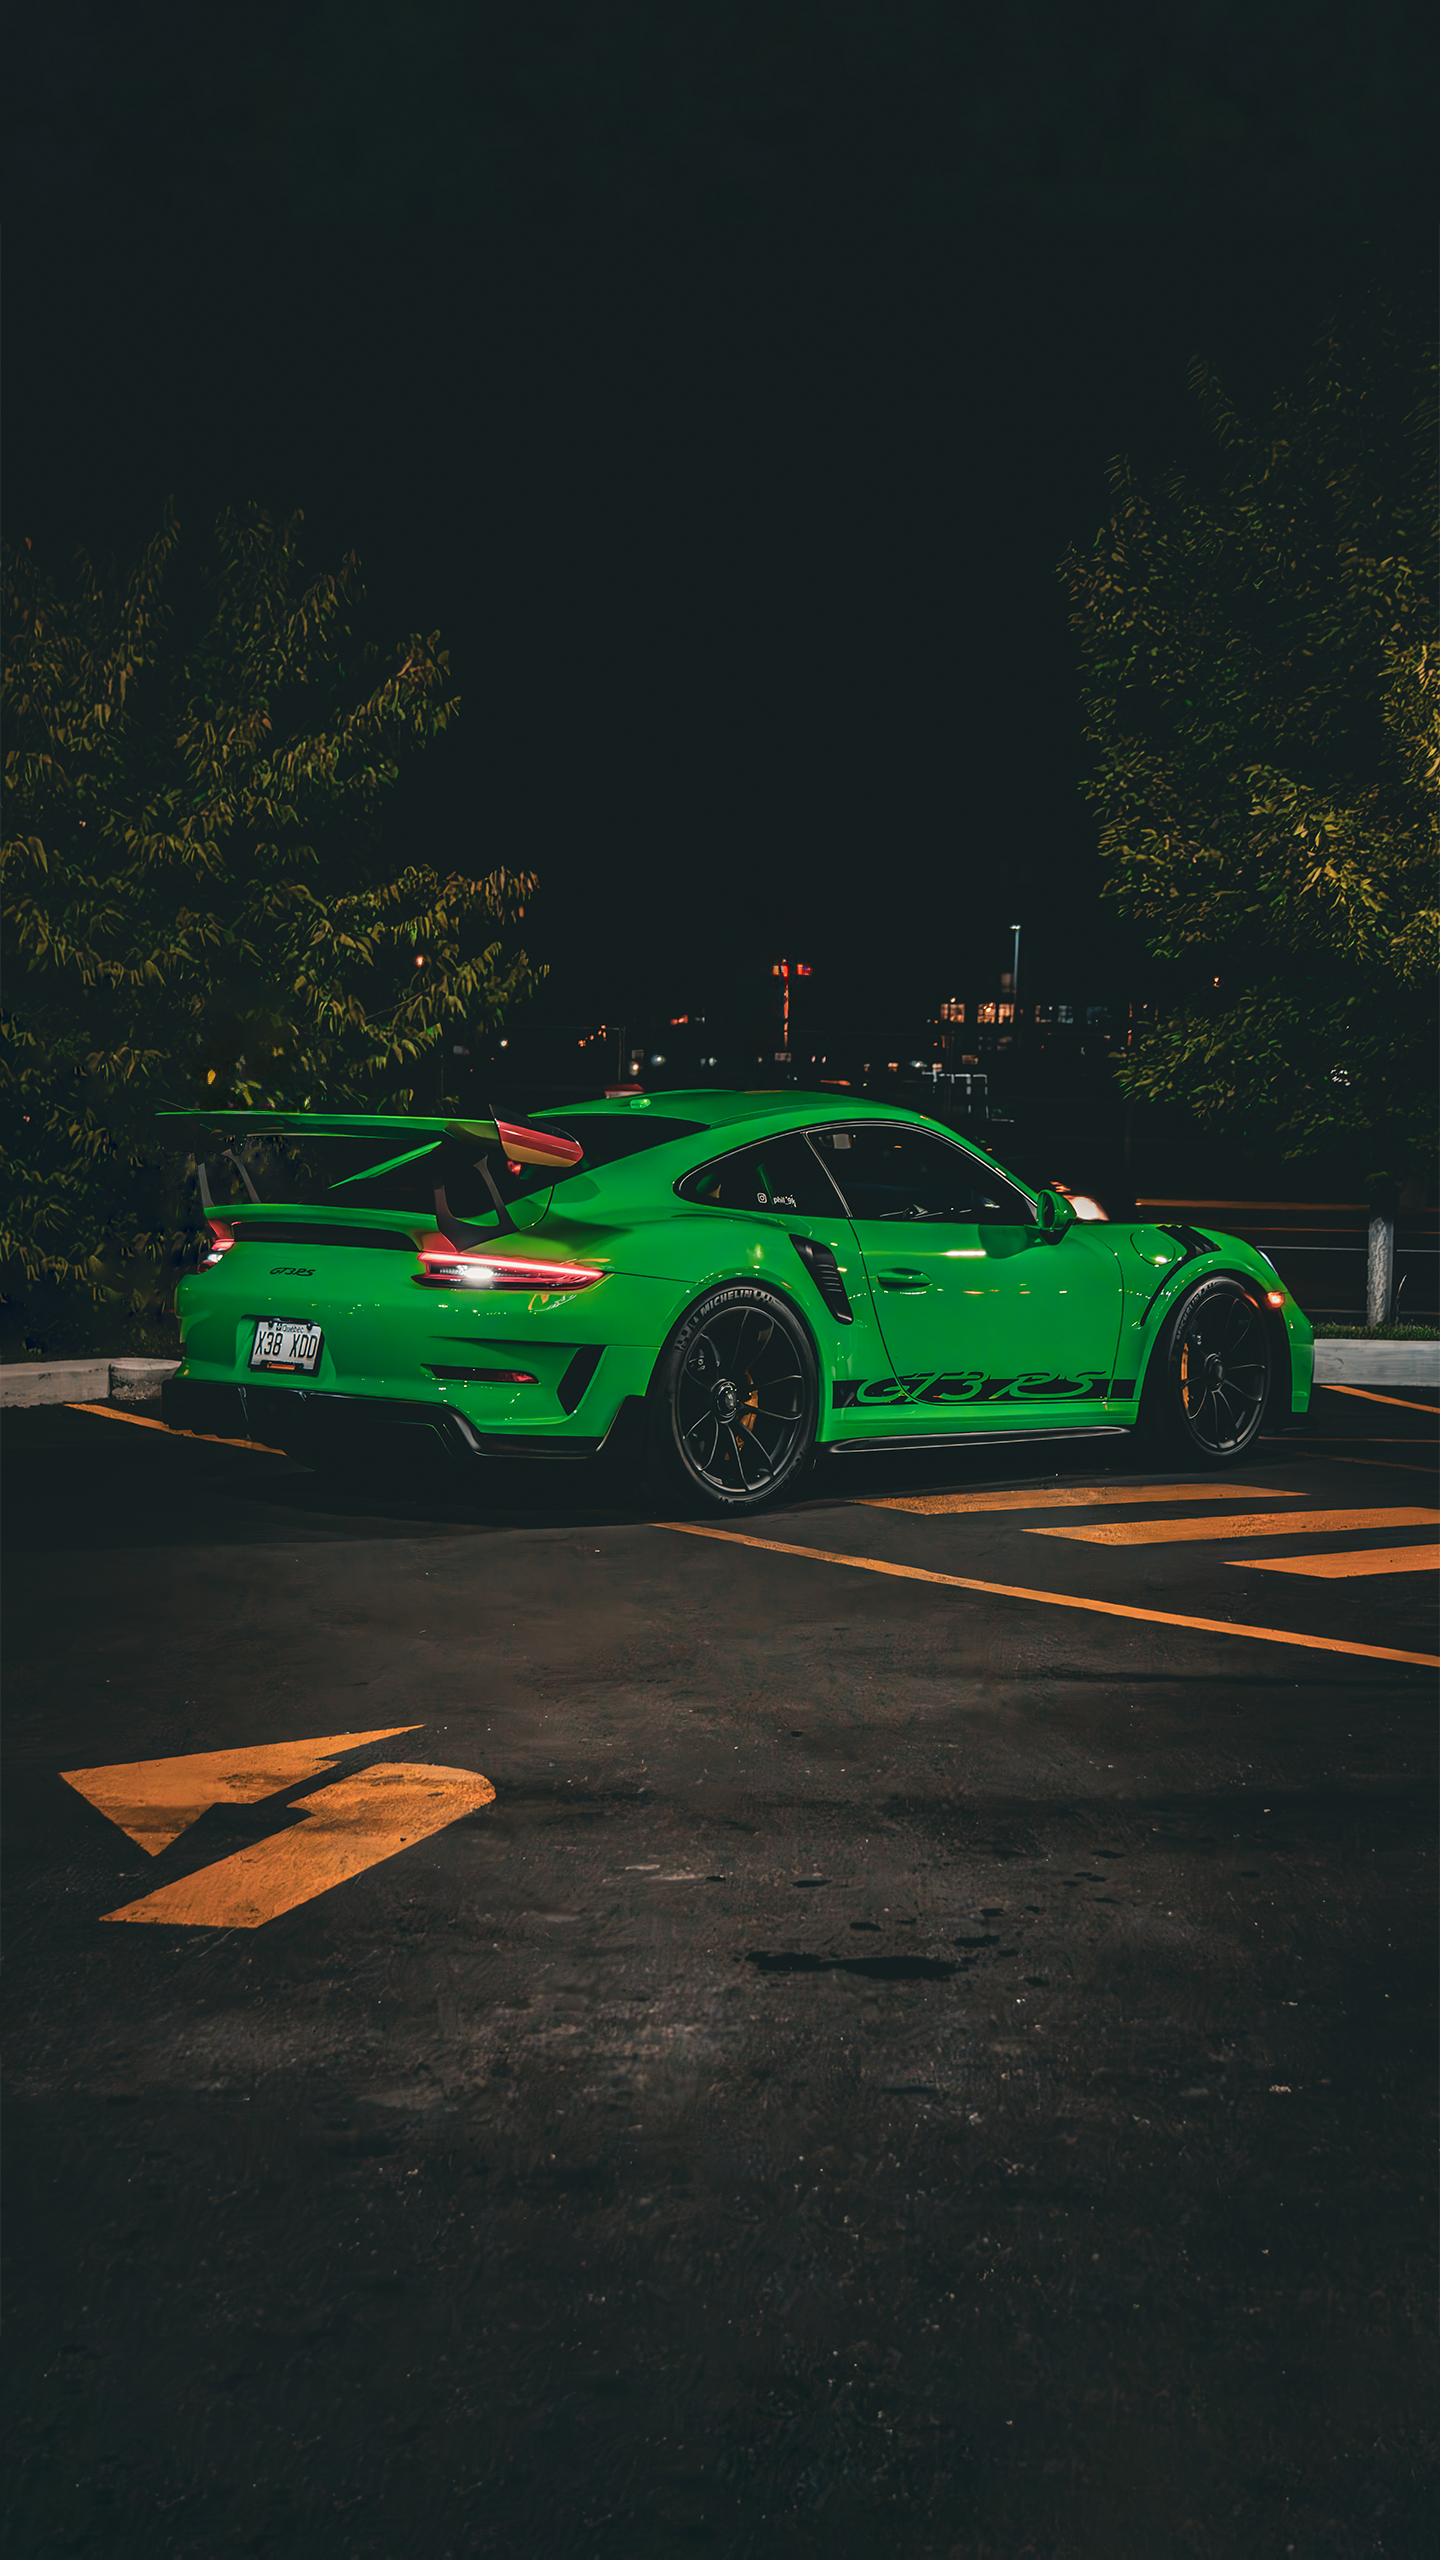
{"points": [[1380, 1271]]}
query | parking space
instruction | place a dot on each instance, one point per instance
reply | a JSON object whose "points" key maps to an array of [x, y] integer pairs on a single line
{"points": [[903, 2024]]}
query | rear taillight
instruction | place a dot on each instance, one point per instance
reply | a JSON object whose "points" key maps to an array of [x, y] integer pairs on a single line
{"points": [[221, 1239], [447, 1269]]}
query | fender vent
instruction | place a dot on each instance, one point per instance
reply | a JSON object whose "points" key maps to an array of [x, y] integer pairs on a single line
{"points": [[824, 1270], [578, 1376]]}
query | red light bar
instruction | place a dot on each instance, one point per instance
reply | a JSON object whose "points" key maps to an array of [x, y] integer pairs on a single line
{"points": [[443, 1265]]}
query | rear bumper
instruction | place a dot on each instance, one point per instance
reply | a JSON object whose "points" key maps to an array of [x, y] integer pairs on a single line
{"points": [[321, 1426]]}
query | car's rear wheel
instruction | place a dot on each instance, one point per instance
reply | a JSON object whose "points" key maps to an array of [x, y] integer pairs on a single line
{"points": [[734, 1400], [1209, 1379]]}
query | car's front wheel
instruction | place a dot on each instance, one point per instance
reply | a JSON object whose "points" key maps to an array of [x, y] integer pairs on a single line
{"points": [[1209, 1378], [734, 1400]]}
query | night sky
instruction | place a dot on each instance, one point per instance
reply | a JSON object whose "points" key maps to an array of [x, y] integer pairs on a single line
{"points": [[724, 383]]}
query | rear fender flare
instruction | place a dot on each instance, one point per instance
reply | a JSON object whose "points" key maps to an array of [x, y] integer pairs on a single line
{"points": [[750, 1280], [1254, 1289]]}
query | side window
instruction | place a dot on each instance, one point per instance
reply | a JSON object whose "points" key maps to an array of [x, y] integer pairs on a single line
{"points": [[907, 1174], [779, 1178]]}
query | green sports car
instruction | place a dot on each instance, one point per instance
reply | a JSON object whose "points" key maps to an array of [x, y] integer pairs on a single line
{"points": [[758, 1278]]}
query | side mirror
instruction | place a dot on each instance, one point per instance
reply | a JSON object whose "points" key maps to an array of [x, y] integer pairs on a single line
{"points": [[1055, 1213]]}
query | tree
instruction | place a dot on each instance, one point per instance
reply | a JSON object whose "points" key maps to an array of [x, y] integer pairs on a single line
{"points": [[1261, 685], [200, 902]]}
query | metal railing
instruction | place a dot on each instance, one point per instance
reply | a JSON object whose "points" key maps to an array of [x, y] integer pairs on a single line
{"points": [[1325, 1241]]}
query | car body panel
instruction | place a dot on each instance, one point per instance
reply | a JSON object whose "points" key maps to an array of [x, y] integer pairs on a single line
{"points": [[997, 1316], [1001, 1329]]}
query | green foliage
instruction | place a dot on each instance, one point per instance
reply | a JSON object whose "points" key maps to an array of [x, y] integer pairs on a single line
{"points": [[1261, 685], [199, 901]]}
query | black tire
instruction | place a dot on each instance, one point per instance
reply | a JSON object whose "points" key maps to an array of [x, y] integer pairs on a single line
{"points": [[734, 1401], [1209, 1380]]}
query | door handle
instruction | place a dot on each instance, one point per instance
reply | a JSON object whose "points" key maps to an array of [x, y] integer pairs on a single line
{"points": [[911, 1284]]}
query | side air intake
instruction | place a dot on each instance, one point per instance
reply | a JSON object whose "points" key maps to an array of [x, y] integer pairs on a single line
{"points": [[824, 1270]]}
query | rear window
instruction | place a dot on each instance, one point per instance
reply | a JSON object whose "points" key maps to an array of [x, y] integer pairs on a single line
{"points": [[335, 1170], [779, 1178]]}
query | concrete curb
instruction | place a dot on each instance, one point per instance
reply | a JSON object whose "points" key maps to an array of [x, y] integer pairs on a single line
{"points": [[82, 1381], [1377, 1364]]}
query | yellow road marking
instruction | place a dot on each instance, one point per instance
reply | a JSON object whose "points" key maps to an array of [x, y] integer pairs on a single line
{"points": [[153, 1801], [1397, 1466], [1343, 1568], [348, 1827], [1406, 1403], [1071, 1497], [1240, 1524], [1054, 1599], [147, 1422]]}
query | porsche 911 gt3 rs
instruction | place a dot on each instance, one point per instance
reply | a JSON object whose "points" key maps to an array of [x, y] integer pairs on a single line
{"points": [[754, 1277]]}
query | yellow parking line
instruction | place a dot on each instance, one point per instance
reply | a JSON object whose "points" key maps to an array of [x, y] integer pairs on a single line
{"points": [[1054, 1599], [146, 1422], [1407, 1404], [1397, 1466], [1240, 1524], [352, 1825], [153, 1801], [1072, 1497], [1344, 1567]]}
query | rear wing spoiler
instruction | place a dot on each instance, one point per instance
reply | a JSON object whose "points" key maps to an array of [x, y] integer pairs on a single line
{"points": [[519, 1143], [515, 1138]]}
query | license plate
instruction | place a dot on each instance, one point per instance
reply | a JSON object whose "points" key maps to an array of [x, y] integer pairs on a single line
{"points": [[280, 1344]]}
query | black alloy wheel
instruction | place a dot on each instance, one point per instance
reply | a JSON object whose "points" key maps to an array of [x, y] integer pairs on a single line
{"points": [[1209, 1380], [734, 1400]]}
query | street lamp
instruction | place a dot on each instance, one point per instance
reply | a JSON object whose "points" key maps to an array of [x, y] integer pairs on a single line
{"points": [[1015, 971]]}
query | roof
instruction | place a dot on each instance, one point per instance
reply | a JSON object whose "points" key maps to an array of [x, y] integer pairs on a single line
{"points": [[716, 1108], [707, 1106]]}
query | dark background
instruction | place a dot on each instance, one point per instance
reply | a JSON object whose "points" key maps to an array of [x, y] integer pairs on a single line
{"points": [[724, 383]]}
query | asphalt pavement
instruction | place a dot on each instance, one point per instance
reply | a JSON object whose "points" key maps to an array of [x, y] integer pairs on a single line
{"points": [[903, 2027]]}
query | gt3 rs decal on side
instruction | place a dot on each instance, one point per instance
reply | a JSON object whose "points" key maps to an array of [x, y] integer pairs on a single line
{"points": [[970, 1387]]}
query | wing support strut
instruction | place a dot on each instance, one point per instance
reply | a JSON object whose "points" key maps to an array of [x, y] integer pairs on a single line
{"points": [[455, 1231]]}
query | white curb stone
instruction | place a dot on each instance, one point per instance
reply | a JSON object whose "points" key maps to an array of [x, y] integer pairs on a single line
{"points": [[132, 1379], [1377, 1364], [82, 1381]]}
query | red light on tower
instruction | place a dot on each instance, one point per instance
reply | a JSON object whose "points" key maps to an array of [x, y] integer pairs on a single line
{"points": [[785, 970]]}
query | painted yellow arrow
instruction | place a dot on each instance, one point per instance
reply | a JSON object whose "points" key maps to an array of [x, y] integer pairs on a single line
{"points": [[153, 1801], [348, 1827]]}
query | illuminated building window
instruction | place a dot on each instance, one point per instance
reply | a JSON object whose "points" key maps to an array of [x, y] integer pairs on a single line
{"points": [[1006, 1012], [952, 1010], [985, 1012]]}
